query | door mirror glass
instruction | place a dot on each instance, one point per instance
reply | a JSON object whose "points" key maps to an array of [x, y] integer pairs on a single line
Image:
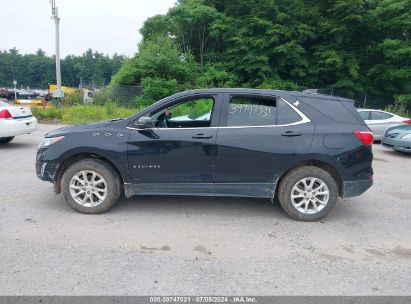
{"points": [[144, 122]]}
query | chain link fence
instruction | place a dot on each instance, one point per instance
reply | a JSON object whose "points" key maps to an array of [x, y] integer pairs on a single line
{"points": [[126, 95], [362, 99]]}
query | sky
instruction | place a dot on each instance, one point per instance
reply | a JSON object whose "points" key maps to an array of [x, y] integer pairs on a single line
{"points": [[107, 26]]}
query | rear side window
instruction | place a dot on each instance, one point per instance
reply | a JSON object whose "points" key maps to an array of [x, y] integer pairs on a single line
{"points": [[334, 109], [380, 115], [286, 114], [252, 111]]}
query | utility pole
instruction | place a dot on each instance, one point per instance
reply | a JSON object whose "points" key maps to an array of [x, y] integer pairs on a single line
{"points": [[365, 98], [15, 90], [58, 93]]}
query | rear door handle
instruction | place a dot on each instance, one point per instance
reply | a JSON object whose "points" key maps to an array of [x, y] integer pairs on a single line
{"points": [[292, 134], [202, 136]]}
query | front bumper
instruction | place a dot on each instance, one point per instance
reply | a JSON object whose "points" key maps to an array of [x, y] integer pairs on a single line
{"points": [[45, 170], [356, 188], [397, 144]]}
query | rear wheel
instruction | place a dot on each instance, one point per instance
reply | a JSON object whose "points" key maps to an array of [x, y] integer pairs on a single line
{"points": [[308, 193], [91, 186], [5, 140]]}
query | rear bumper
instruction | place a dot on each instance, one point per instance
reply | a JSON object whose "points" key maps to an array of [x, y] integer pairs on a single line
{"points": [[15, 127], [356, 188]]}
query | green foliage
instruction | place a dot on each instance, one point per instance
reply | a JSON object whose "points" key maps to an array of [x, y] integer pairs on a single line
{"points": [[399, 109], [74, 99], [103, 96], [216, 76], [156, 89], [351, 46], [129, 73], [277, 84], [83, 113], [110, 107], [47, 114], [194, 108], [38, 70]]}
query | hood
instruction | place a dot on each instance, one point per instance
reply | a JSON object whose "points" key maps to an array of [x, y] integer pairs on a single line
{"points": [[79, 128], [399, 129]]}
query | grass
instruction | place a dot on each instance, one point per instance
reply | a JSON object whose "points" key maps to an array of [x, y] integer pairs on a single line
{"points": [[82, 113]]}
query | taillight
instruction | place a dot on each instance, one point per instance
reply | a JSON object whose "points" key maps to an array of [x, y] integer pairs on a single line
{"points": [[5, 114], [366, 137], [408, 121]]}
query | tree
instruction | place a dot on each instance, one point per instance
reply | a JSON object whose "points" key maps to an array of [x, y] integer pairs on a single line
{"points": [[37, 70], [353, 46]]}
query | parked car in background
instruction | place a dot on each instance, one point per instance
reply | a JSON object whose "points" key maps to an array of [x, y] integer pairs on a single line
{"points": [[398, 138], [15, 121], [304, 149], [379, 121]]}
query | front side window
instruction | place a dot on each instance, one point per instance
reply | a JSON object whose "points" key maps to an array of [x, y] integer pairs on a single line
{"points": [[193, 113], [365, 115], [252, 111]]}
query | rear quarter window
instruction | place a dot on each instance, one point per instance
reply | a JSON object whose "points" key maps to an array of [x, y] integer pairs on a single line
{"points": [[286, 114], [334, 109]]}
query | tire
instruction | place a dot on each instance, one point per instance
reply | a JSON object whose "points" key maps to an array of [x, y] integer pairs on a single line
{"points": [[6, 140], [79, 177], [308, 198]]}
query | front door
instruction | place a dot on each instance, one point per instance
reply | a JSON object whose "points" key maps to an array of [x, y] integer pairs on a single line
{"points": [[177, 155], [257, 138]]}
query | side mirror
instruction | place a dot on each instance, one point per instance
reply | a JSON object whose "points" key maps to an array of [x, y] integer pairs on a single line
{"points": [[144, 123]]}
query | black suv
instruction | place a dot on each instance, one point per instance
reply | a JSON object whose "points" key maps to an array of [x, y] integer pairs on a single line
{"points": [[305, 149]]}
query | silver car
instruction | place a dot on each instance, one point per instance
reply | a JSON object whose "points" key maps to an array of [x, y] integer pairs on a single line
{"points": [[398, 138], [379, 121]]}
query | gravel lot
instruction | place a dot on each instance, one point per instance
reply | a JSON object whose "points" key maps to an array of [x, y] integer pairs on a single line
{"points": [[190, 246]]}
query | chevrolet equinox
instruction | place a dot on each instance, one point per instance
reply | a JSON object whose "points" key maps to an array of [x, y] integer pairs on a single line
{"points": [[304, 149]]}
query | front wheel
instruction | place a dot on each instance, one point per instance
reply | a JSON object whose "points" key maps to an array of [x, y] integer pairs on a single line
{"points": [[5, 140], [91, 186], [308, 193]]}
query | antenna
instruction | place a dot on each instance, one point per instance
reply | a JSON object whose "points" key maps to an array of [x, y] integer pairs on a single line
{"points": [[53, 6], [58, 93]]}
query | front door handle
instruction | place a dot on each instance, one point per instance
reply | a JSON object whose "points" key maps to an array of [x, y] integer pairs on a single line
{"points": [[292, 134], [202, 136]]}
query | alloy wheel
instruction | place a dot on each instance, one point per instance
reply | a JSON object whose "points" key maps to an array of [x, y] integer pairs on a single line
{"points": [[88, 188], [310, 195]]}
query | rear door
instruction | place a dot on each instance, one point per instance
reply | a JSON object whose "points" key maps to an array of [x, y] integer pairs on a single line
{"points": [[379, 122], [257, 137]]}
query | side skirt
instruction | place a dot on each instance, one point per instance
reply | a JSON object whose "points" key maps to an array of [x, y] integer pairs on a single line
{"points": [[257, 190]]}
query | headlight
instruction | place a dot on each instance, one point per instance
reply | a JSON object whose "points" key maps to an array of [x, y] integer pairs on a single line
{"points": [[406, 136], [50, 141]]}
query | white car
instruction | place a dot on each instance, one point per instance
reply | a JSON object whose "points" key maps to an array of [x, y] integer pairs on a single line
{"points": [[379, 121], [15, 121]]}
